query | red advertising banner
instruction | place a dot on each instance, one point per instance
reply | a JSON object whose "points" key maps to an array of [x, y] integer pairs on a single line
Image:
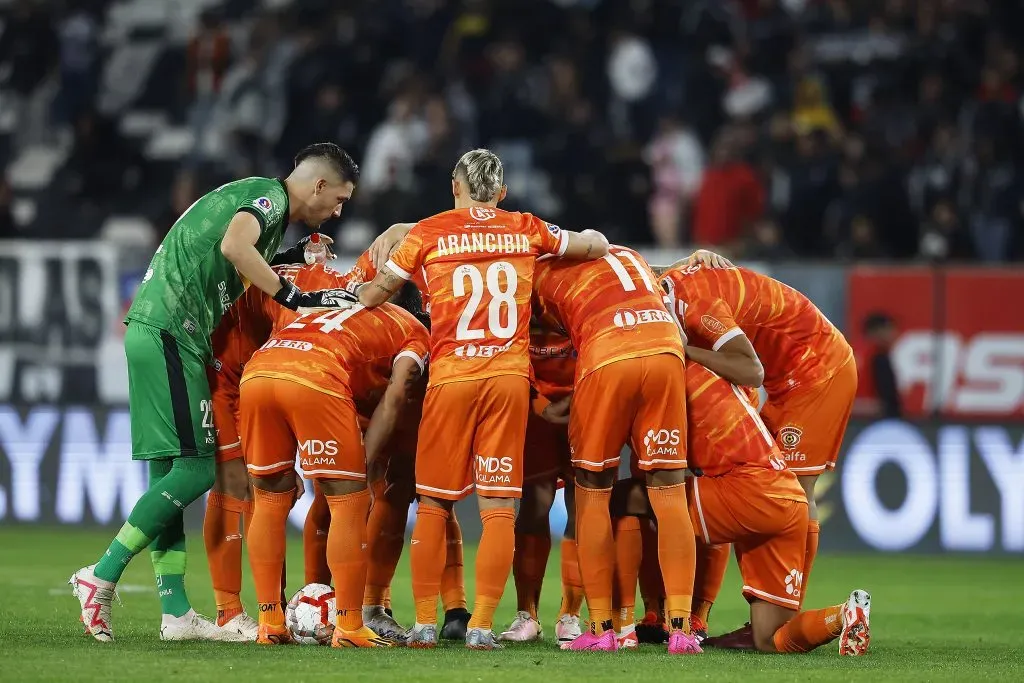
{"points": [[958, 348]]}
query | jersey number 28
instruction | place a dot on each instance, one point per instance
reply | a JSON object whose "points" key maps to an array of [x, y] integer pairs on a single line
{"points": [[500, 297]]}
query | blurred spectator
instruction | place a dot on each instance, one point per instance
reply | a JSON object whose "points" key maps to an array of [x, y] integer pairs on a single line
{"points": [[766, 242], [250, 114], [100, 159], [7, 228], [943, 236], [393, 149], [862, 243], [880, 331], [677, 169], [207, 56], [730, 197], [812, 187], [746, 94], [812, 111], [434, 168], [28, 50], [991, 192], [79, 62]]}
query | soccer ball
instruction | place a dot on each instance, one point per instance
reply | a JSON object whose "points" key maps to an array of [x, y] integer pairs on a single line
{"points": [[310, 615]]}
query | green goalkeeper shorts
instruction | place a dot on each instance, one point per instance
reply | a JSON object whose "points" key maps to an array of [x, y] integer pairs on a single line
{"points": [[168, 396]]}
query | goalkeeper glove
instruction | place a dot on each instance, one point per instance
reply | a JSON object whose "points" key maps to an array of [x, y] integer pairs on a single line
{"points": [[294, 298]]}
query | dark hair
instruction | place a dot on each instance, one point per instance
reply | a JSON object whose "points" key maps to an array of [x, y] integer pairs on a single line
{"points": [[877, 321], [409, 298], [338, 159]]}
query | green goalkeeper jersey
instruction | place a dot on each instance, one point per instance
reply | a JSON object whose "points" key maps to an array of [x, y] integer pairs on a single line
{"points": [[189, 283]]}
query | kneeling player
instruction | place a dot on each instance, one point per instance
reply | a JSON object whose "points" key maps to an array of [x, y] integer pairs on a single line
{"points": [[745, 495], [297, 391]]}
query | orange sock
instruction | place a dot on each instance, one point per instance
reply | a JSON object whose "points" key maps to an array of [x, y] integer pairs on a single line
{"points": [[808, 630], [652, 586], [453, 582], [810, 552], [572, 583], [248, 507], [426, 559], [385, 534], [596, 547], [346, 555], [493, 563], [676, 551], [224, 550], [712, 561], [314, 539], [628, 552], [528, 565], [266, 551]]}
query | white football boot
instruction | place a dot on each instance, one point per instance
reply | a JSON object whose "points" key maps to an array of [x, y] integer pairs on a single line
{"points": [[856, 633], [243, 625], [192, 626], [95, 597], [567, 628], [524, 629]]}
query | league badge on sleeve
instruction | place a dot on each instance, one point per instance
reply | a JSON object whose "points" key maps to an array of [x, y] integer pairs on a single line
{"points": [[264, 205], [553, 229]]}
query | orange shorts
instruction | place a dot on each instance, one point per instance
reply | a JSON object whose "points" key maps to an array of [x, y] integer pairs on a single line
{"points": [[763, 513], [472, 434], [546, 453], [225, 418], [280, 417], [808, 424], [640, 401]]}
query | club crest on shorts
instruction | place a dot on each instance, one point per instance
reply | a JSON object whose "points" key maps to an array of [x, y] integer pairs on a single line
{"points": [[789, 436]]}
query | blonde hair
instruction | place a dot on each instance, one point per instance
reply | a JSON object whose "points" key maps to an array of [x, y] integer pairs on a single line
{"points": [[482, 170]]}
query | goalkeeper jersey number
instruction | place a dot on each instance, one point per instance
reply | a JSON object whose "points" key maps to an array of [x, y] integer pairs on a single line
{"points": [[189, 283]]}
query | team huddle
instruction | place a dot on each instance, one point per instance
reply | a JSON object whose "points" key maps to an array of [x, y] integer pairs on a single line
{"points": [[482, 351]]}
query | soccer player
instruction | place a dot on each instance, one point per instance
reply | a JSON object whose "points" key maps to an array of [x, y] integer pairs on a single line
{"points": [[630, 387], [300, 390], [211, 253], [743, 494], [545, 464], [244, 328], [748, 328], [478, 262], [391, 480]]}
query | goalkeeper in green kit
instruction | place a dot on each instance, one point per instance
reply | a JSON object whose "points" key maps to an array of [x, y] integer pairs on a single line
{"points": [[219, 246]]}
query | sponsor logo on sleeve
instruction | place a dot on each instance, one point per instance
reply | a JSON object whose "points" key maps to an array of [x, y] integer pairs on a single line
{"points": [[264, 205], [713, 325]]}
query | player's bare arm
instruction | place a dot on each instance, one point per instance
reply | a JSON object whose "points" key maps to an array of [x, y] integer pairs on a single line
{"points": [[704, 257], [239, 246], [404, 376], [558, 412], [381, 248], [586, 245], [383, 286], [736, 361]]}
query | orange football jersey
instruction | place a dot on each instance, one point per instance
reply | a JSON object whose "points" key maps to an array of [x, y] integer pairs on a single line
{"points": [[363, 271], [478, 264], [553, 360], [254, 317], [796, 343], [612, 308], [335, 351], [725, 432]]}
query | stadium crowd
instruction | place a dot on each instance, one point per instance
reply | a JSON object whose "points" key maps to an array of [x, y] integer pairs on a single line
{"points": [[857, 129]]}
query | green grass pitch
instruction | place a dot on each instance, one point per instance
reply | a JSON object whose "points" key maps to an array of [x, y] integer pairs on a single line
{"points": [[933, 619]]}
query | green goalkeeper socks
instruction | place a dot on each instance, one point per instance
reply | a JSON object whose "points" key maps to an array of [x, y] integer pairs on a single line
{"points": [[173, 484], [169, 567]]}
